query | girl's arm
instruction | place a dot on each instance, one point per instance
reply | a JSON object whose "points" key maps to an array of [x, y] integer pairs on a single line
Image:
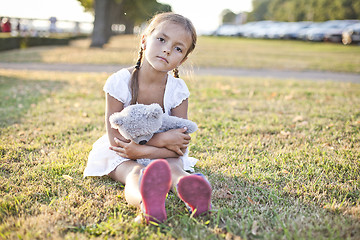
{"points": [[124, 147], [132, 150], [175, 140], [112, 106]]}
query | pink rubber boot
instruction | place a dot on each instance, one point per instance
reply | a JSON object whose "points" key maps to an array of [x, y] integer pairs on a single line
{"points": [[195, 191], [155, 184]]}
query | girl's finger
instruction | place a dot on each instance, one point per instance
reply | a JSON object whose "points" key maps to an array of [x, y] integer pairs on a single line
{"points": [[118, 142], [121, 155], [184, 129], [179, 152], [117, 149], [187, 137]]}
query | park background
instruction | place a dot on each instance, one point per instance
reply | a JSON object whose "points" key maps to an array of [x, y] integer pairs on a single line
{"points": [[282, 153]]}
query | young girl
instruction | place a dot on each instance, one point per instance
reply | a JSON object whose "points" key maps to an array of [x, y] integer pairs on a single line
{"points": [[165, 45]]}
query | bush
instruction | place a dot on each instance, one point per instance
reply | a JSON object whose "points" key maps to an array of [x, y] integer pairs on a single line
{"points": [[8, 43]]}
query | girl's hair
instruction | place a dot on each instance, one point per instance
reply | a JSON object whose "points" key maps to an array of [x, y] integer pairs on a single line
{"points": [[154, 22]]}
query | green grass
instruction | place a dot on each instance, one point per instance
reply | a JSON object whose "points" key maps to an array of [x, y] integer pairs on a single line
{"points": [[210, 52], [283, 158], [277, 54]]}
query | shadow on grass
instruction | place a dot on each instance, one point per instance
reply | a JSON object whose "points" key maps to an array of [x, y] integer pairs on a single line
{"points": [[251, 211], [31, 54], [241, 210], [17, 96]]}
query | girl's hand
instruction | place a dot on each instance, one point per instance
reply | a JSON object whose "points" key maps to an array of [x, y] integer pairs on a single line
{"points": [[128, 149], [176, 140]]}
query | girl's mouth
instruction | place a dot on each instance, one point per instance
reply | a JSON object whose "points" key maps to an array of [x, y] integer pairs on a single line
{"points": [[163, 59]]}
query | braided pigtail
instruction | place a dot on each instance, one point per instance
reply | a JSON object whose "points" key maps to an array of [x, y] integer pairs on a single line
{"points": [[138, 63], [176, 72], [134, 82]]}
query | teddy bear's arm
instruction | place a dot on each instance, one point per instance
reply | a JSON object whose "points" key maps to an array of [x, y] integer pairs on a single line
{"points": [[172, 122]]}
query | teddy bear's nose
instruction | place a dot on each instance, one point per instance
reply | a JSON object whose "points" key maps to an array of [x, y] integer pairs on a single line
{"points": [[142, 142]]}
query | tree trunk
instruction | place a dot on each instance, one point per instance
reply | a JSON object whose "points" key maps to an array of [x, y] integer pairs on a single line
{"points": [[129, 27], [115, 14], [101, 23]]}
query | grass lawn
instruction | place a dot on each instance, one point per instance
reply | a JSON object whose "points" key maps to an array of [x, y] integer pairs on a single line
{"points": [[210, 52], [283, 158]]}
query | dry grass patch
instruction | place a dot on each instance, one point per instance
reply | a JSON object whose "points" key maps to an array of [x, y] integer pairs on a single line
{"points": [[210, 52]]}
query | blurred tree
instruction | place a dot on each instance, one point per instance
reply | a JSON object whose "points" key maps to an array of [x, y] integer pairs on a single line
{"points": [[228, 16], [281, 10], [102, 24], [87, 4], [304, 10], [136, 12], [127, 12], [260, 8]]}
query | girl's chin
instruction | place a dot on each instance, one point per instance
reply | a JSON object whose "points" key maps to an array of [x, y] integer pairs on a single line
{"points": [[160, 68]]}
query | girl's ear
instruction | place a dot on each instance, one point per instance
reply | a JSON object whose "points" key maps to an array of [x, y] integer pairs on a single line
{"points": [[143, 42]]}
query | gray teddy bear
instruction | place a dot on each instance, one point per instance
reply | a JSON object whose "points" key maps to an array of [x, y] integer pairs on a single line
{"points": [[139, 122]]}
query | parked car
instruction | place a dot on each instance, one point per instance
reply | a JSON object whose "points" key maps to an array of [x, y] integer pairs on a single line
{"points": [[347, 31], [227, 30], [329, 30], [274, 30], [335, 34], [246, 28], [351, 34], [292, 30], [258, 30], [302, 33]]}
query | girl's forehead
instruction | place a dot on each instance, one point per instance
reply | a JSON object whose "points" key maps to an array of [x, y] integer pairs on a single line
{"points": [[174, 30]]}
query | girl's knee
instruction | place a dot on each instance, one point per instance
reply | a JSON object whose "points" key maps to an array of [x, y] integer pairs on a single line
{"points": [[177, 169], [175, 162], [124, 170], [136, 171]]}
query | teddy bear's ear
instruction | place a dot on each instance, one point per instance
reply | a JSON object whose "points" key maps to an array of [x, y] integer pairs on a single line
{"points": [[155, 111], [116, 120], [119, 121]]}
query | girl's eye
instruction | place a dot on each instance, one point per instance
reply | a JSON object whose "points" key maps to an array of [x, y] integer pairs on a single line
{"points": [[178, 49], [161, 39]]}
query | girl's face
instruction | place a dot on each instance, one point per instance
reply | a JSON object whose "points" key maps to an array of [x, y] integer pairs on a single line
{"points": [[166, 47]]}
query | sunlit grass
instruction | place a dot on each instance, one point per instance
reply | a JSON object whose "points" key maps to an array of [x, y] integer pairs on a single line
{"points": [[282, 157], [210, 52], [276, 54]]}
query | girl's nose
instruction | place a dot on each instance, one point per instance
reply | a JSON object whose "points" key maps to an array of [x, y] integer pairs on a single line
{"points": [[166, 51]]}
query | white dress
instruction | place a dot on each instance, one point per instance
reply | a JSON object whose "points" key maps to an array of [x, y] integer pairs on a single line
{"points": [[101, 159]]}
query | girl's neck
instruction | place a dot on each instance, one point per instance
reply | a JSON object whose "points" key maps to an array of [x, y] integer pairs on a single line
{"points": [[148, 75]]}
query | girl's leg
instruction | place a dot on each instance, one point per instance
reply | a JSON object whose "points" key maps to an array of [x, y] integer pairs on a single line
{"points": [[177, 171], [193, 189], [149, 192], [128, 173]]}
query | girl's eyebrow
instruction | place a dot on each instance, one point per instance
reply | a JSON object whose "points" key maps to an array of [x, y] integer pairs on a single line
{"points": [[180, 43]]}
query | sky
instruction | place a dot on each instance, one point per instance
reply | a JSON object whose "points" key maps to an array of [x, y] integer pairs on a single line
{"points": [[205, 14]]}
